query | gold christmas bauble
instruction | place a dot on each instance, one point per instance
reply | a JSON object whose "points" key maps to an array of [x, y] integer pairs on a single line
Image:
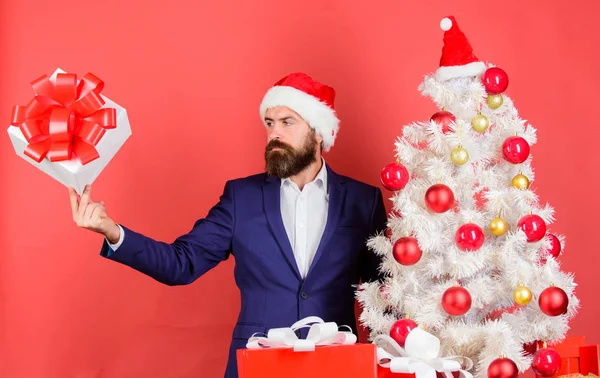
{"points": [[520, 181], [498, 226], [459, 155], [522, 295], [480, 123], [495, 101]]}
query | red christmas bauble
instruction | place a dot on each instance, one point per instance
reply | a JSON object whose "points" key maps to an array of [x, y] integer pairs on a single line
{"points": [[546, 362], [400, 330], [553, 301], [495, 80], [439, 198], [407, 251], [469, 237], [394, 176], [456, 300], [443, 118], [515, 149], [503, 368], [533, 226], [555, 247]]}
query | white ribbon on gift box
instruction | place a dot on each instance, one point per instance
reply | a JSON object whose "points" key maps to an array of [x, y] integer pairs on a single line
{"points": [[320, 333], [420, 356]]}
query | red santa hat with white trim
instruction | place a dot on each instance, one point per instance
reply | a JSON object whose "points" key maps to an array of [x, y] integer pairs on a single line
{"points": [[312, 100], [457, 58]]}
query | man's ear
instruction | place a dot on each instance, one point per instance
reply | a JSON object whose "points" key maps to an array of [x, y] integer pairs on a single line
{"points": [[319, 139]]}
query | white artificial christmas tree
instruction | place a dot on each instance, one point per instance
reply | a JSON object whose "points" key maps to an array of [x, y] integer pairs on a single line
{"points": [[469, 256]]}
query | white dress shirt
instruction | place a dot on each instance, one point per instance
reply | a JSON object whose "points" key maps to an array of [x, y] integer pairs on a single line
{"points": [[304, 215]]}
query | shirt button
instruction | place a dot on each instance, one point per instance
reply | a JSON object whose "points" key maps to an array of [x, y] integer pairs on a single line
{"points": [[304, 295]]}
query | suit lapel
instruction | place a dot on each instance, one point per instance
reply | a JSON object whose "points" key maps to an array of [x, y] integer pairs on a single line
{"points": [[271, 200], [337, 196]]}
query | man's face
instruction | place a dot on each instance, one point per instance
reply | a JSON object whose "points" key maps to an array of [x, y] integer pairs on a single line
{"points": [[292, 144]]}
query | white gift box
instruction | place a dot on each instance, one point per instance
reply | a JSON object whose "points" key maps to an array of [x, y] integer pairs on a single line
{"points": [[72, 172]]}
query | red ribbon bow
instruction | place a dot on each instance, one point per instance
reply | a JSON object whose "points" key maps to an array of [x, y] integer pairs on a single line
{"points": [[64, 118]]}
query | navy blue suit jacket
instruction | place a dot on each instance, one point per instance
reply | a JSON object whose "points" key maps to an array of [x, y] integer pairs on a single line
{"points": [[247, 223]]}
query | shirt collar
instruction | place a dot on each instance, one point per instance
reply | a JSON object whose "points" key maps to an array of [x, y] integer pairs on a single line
{"points": [[321, 177]]}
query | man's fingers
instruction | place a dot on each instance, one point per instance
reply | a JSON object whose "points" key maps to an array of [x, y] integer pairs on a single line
{"points": [[85, 199], [97, 211], [87, 215], [103, 215], [74, 202]]}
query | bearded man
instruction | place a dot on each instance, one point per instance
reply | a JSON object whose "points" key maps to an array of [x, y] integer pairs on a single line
{"points": [[297, 232]]}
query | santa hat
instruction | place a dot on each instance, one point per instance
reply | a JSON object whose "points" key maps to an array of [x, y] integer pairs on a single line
{"points": [[312, 100], [457, 58]]}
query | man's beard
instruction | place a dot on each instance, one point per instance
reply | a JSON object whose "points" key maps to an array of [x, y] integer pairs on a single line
{"points": [[287, 161]]}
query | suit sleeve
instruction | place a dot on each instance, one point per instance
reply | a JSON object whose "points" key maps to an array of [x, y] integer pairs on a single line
{"points": [[189, 256], [370, 261]]}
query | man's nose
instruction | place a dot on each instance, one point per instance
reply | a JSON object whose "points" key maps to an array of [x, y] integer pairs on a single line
{"points": [[275, 132]]}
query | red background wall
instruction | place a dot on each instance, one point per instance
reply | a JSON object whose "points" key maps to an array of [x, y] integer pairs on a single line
{"points": [[191, 75]]}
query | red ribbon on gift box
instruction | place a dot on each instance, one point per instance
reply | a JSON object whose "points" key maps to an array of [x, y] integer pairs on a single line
{"points": [[64, 118]]}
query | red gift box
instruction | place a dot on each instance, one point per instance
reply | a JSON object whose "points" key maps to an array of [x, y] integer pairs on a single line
{"points": [[589, 359], [348, 361], [569, 348]]}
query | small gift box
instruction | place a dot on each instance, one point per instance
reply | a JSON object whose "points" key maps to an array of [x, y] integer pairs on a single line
{"points": [[420, 358], [69, 130], [589, 359], [325, 353], [569, 348]]}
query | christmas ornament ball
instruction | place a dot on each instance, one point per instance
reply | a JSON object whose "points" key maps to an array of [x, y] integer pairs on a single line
{"points": [[494, 101], [515, 149], [498, 226], [495, 80], [469, 237], [533, 226], [553, 301], [480, 123], [555, 247], [546, 362], [503, 368], [400, 330], [459, 155], [406, 251], [520, 181], [439, 198], [444, 119], [394, 176], [456, 300], [522, 295]]}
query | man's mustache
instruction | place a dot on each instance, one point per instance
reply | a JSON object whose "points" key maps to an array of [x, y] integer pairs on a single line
{"points": [[278, 144]]}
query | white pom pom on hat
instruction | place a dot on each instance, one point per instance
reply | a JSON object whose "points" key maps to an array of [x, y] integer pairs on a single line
{"points": [[446, 23]]}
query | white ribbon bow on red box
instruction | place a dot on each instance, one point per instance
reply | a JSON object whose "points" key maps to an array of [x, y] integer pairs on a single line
{"points": [[420, 356], [320, 333]]}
